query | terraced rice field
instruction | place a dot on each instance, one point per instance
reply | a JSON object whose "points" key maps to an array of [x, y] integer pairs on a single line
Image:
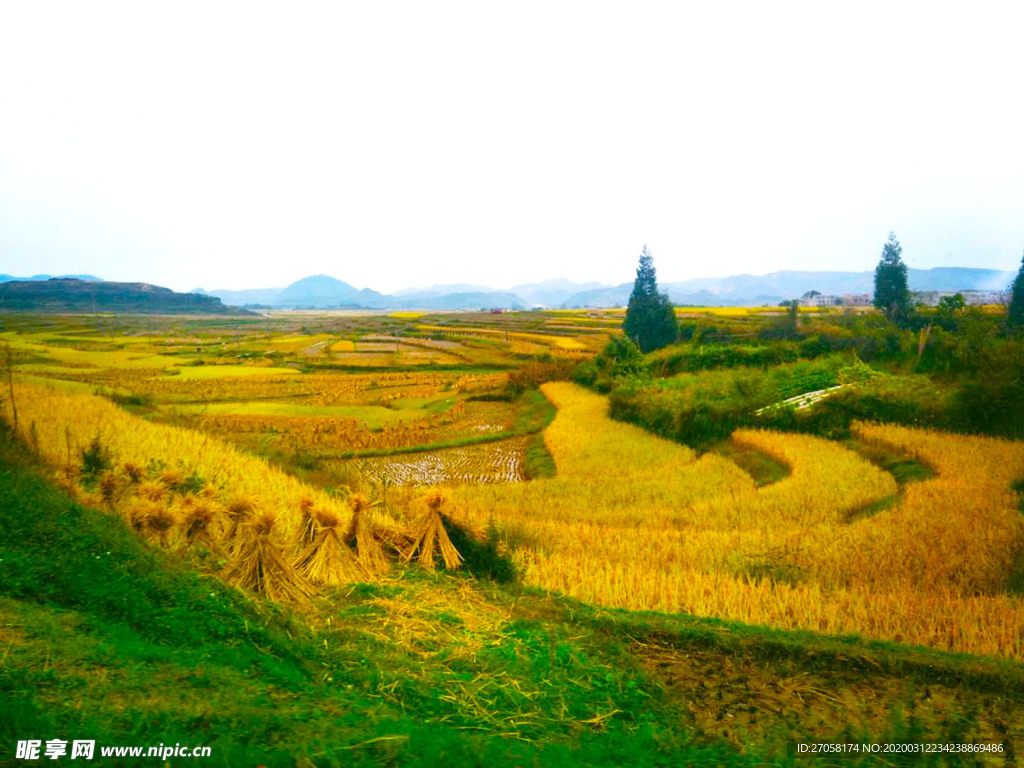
{"points": [[635, 522], [340, 428], [629, 520], [495, 462]]}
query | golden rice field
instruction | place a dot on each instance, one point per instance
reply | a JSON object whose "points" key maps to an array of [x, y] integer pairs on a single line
{"points": [[496, 462], [357, 428], [629, 521], [60, 424], [314, 389], [560, 342], [635, 522]]}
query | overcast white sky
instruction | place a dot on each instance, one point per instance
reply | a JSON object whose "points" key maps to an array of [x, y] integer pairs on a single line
{"points": [[392, 144]]}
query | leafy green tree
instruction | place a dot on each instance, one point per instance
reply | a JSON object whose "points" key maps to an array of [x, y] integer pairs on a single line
{"points": [[891, 293], [650, 319], [949, 306], [975, 341], [1015, 318], [622, 357]]}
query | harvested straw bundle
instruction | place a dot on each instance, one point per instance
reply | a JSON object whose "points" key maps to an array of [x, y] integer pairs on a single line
{"points": [[361, 534], [108, 485], [429, 534], [200, 519], [159, 524], [171, 477], [259, 565], [134, 472], [326, 559], [309, 525], [153, 490], [239, 512], [138, 511]]}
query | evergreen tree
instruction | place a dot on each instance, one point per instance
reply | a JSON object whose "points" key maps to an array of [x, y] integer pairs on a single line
{"points": [[891, 293], [650, 319], [1015, 318]]}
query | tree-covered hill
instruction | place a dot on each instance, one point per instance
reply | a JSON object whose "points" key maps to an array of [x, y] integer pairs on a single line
{"points": [[71, 295]]}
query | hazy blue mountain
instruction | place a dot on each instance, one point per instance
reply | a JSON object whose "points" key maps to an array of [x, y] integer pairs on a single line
{"points": [[958, 279], [83, 278], [552, 293], [608, 296], [325, 292], [789, 284], [443, 289], [263, 296], [472, 300]]}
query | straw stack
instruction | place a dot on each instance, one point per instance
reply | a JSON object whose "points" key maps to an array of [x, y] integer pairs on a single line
{"points": [[326, 559], [361, 534], [429, 536], [259, 565]]}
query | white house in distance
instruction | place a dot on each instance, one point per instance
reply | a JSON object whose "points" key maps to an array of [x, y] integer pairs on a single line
{"points": [[818, 299]]}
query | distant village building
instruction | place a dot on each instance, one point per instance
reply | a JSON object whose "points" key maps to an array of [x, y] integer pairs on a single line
{"points": [[856, 299], [971, 298], [818, 299]]}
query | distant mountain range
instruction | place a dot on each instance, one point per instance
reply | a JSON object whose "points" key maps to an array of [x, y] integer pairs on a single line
{"points": [[325, 292], [74, 295]]}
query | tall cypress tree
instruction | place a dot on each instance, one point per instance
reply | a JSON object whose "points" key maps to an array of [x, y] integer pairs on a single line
{"points": [[891, 293], [1015, 318], [650, 319]]}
